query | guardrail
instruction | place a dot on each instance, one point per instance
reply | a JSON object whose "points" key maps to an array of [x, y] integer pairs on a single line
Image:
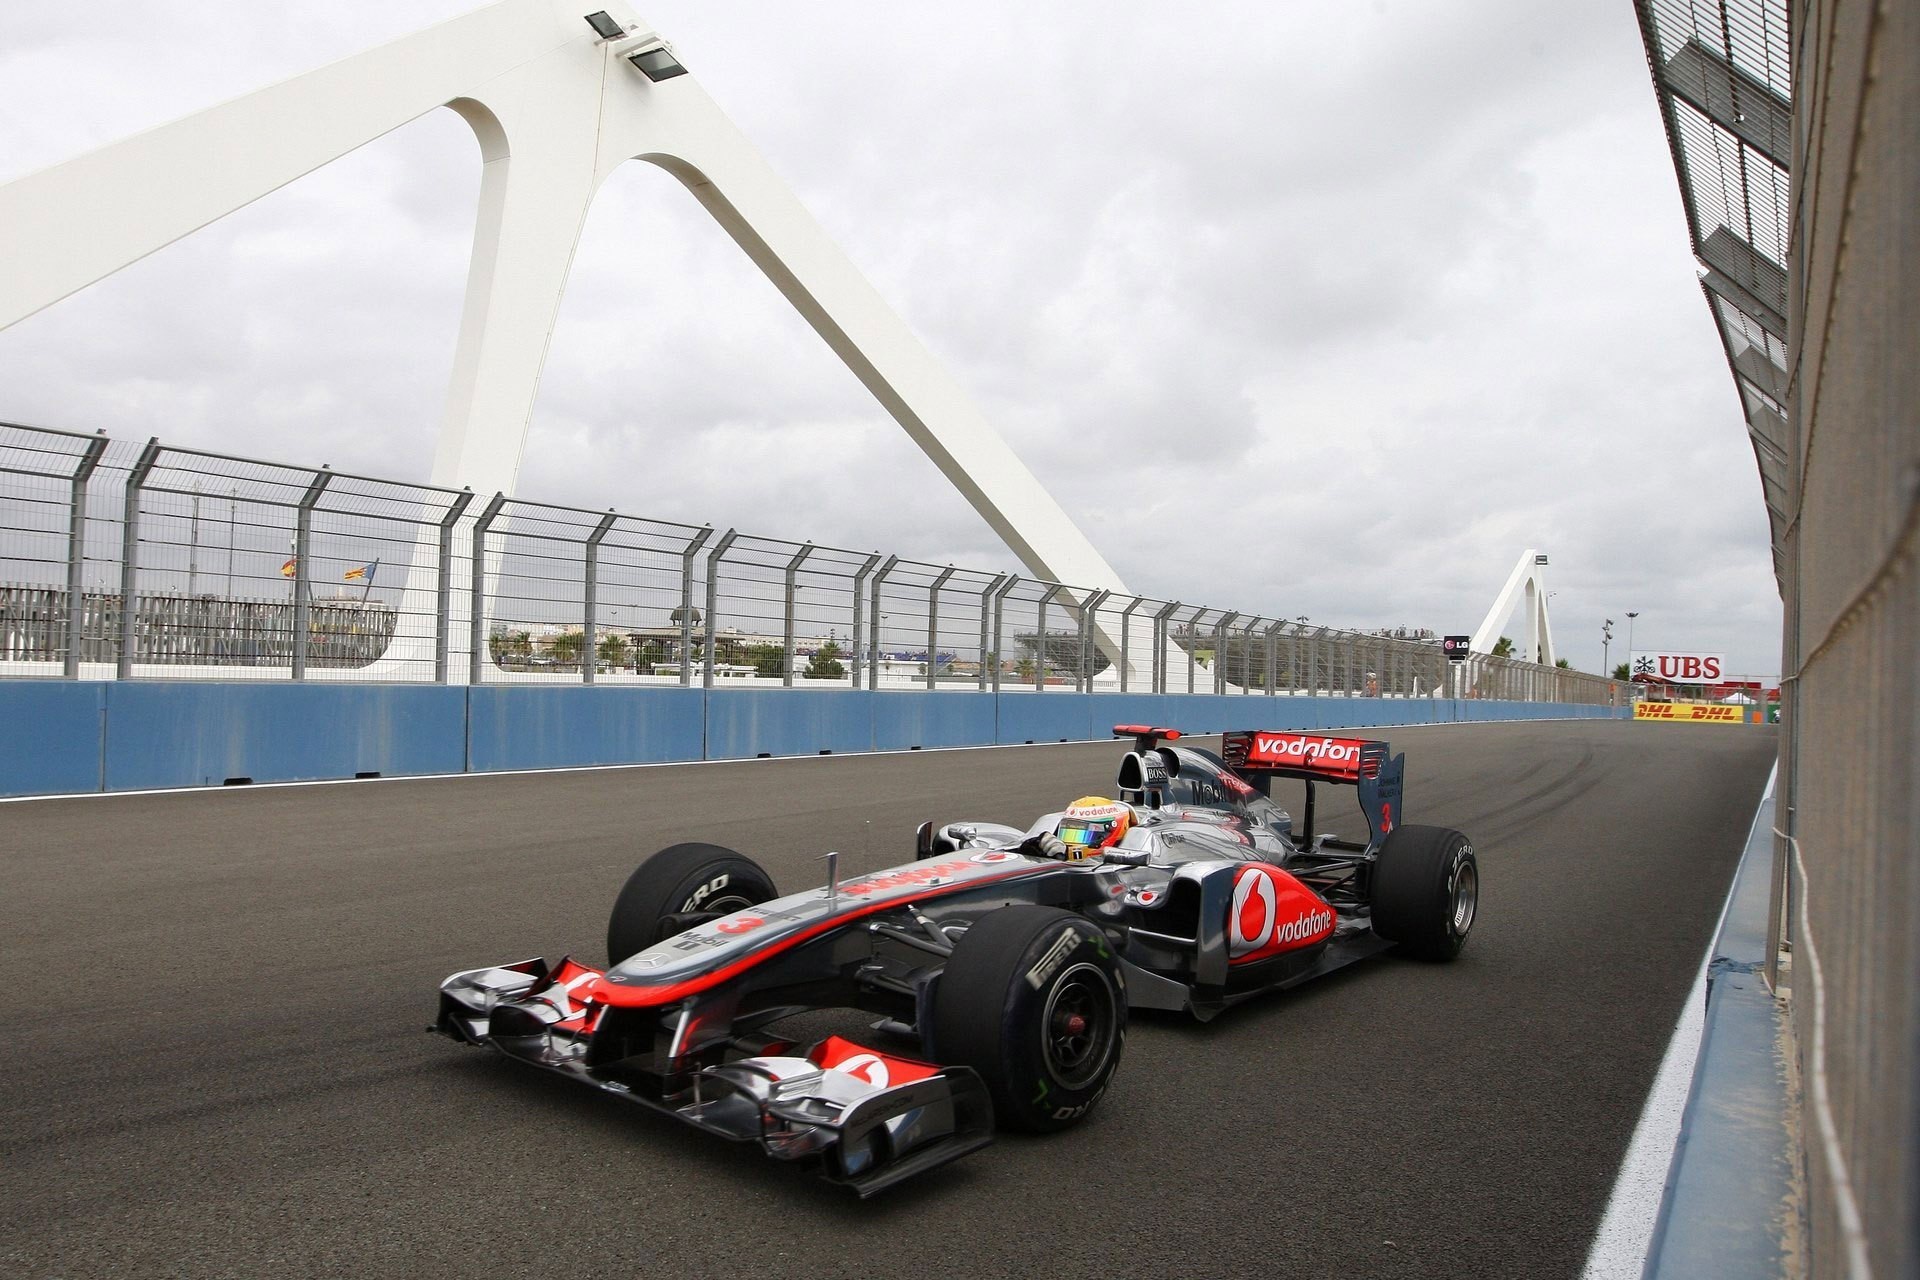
{"points": [[232, 568]]}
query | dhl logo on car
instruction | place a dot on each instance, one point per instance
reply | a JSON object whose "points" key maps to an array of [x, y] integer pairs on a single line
{"points": [[1690, 711]]}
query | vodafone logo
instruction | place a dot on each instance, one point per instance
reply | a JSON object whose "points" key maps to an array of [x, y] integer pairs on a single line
{"points": [[1266, 916], [1300, 747]]}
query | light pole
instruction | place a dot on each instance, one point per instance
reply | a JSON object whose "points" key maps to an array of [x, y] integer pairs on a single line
{"points": [[1631, 615], [1606, 639]]}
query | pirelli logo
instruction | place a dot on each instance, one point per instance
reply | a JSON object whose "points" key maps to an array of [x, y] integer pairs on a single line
{"points": [[1712, 713]]}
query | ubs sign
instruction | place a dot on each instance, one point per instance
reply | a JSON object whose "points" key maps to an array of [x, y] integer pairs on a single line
{"points": [[1681, 668]]}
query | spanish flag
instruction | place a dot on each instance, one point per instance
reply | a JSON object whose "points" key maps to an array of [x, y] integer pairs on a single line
{"points": [[287, 569], [358, 572]]}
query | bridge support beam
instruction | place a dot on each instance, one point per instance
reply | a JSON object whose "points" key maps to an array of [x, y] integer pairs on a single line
{"points": [[556, 110]]}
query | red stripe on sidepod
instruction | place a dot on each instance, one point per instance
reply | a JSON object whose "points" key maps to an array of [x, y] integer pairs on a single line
{"points": [[624, 996]]}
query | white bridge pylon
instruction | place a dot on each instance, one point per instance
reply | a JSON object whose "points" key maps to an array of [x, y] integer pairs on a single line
{"points": [[1526, 588], [556, 110]]}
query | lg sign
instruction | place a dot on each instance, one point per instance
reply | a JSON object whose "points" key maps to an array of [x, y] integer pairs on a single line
{"points": [[1683, 668]]}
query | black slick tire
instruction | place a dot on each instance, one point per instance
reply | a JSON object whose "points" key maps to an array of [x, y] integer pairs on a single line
{"points": [[1033, 1000], [678, 881], [1426, 891]]}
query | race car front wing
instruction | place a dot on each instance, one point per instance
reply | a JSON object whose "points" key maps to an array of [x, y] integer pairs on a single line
{"points": [[871, 1118]]}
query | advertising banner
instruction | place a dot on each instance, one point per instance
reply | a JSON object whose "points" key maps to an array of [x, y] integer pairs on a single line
{"points": [[1712, 712], [1678, 667]]}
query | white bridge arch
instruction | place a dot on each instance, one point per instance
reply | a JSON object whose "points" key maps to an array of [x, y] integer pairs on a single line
{"points": [[556, 109]]}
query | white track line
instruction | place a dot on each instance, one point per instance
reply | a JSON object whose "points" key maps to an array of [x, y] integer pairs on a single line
{"points": [[1619, 1249]]}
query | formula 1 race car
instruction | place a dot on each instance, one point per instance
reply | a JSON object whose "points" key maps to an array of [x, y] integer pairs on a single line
{"points": [[1008, 959]]}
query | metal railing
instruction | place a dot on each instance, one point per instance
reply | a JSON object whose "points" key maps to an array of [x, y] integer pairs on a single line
{"points": [[233, 568]]}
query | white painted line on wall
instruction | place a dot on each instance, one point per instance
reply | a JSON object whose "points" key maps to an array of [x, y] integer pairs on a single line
{"points": [[1619, 1249]]}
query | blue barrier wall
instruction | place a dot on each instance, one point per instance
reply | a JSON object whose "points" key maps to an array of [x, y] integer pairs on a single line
{"points": [[190, 734], [744, 723], [59, 736], [51, 737], [564, 726]]}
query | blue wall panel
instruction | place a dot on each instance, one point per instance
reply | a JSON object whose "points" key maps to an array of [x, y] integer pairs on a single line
{"points": [[61, 736], [743, 723], [1047, 717], [549, 727], [903, 721], [191, 734], [50, 735], [1153, 709]]}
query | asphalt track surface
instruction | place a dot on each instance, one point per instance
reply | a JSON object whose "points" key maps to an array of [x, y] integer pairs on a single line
{"points": [[214, 1062]]}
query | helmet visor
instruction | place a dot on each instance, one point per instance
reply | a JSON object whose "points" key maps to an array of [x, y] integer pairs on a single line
{"points": [[1085, 833]]}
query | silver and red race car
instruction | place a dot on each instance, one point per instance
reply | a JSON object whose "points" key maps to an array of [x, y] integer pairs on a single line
{"points": [[1001, 963]]}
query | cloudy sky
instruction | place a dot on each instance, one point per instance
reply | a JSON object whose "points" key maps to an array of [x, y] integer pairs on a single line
{"points": [[1299, 308]]}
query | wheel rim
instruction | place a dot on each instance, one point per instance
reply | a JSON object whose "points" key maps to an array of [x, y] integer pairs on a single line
{"points": [[1081, 1020], [1466, 897]]}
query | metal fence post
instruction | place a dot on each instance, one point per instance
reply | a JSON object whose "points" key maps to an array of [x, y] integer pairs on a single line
{"points": [[477, 623], [303, 573], [77, 553], [1088, 609], [1040, 639], [793, 574], [715, 563], [686, 604], [999, 622], [1220, 646], [1246, 655], [130, 558], [1273, 655], [873, 621], [1126, 627], [855, 658], [590, 597], [1161, 620], [443, 589], [988, 648], [1192, 657], [933, 620]]}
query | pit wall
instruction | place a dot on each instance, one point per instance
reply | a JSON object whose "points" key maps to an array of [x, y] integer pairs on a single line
{"points": [[62, 737]]}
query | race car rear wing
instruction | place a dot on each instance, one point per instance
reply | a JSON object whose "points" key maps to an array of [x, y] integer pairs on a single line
{"points": [[1259, 756]]}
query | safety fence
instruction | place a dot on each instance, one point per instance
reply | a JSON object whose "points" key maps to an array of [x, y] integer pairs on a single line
{"points": [[144, 560]]}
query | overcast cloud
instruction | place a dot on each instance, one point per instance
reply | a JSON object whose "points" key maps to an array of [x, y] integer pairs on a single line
{"points": [[1300, 309]]}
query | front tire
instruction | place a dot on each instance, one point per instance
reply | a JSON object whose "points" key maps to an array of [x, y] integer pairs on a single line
{"points": [[1034, 1001], [1426, 891], [679, 881]]}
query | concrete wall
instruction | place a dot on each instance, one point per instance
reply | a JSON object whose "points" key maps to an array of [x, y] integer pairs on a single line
{"points": [[66, 736]]}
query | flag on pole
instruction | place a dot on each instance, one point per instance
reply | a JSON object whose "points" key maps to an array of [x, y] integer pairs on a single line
{"points": [[365, 571], [287, 569]]}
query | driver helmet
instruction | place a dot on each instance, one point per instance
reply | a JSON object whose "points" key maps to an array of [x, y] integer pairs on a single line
{"points": [[1093, 822]]}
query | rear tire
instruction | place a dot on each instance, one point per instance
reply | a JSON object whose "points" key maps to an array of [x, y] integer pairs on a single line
{"points": [[1034, 1001], [1426, 891], [681, 880]]}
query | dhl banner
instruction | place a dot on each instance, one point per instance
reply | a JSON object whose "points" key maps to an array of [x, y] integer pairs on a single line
{"points": [[1718, 713]]}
